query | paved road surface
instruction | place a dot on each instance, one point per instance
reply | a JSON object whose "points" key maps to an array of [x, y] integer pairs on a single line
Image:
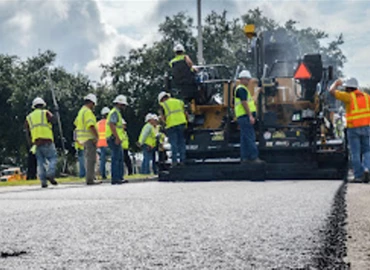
{"points": [[219, 225]]}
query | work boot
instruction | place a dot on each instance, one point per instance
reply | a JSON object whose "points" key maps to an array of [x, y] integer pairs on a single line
{"points": [[366, 177], [94, 183], [256, 161], [357, 180], [52, 181]]}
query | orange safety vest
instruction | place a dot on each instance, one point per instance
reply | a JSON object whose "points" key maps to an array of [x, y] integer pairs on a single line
{"points": [[360, 110], [102, 142]]}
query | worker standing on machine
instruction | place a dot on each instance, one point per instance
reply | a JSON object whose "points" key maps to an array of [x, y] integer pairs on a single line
{"points": [[245, 112], [114, 135], [87, 135], [358, 125], [102, 142], [173, 114], [183, 73], [40, 135]]}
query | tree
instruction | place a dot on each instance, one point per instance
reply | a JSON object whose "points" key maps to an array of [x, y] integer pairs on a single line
{"points": [[22, 81]]}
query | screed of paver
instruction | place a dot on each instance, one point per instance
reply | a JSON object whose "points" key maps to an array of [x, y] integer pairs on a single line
{"points": [[226, 225], [358, 204]]}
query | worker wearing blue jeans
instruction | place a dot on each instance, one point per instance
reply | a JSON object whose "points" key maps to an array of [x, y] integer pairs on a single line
{"points": [[245, 112], [357, 105], [173, 114], [178, 147], [147, 141], [117, 161], [359, 143], [46, 153], [248, 148]]}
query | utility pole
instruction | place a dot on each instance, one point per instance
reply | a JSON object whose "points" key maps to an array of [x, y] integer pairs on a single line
{"points": [[200, 33]]}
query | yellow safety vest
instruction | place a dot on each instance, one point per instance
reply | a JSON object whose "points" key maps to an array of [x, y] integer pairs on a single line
{"points": [[119, 126], [84, 120], [125, 141], [39, 126], [177, 58], [174, 112], [239, 109], [151, 139]]}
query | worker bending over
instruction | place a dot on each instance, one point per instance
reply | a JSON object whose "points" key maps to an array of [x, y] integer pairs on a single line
{"points": [[358, 125], [102, 142], [147, 141], [183, 73], [40, 134], [114, 134], [173, 114], [87, 135], [245, 112]]}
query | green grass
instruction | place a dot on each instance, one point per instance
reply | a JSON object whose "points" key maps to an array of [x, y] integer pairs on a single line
{"points": [[66, 180]]}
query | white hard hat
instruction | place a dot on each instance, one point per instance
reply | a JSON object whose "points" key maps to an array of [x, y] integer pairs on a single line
{"points": [[124, 122], [38, 101], [245, 74], [155, 117], [351, 82], [179, 48], [92, 98], [162, 95], [105, 111], [120, 99], [148, 117]]}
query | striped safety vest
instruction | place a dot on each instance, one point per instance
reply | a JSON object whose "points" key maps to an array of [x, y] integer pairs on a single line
{"points": [[360, 110], [239, 109], [102, 142], [85, 119], [174, 112], [39, 126]]}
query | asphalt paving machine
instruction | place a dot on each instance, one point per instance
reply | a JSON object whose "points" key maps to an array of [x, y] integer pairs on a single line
{"points": [[299, 129]]}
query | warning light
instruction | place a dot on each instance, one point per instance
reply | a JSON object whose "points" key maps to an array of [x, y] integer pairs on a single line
{"points": [[302, 73]]}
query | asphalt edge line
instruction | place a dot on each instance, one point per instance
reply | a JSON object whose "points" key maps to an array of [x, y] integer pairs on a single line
{"points": [[333, 249]]}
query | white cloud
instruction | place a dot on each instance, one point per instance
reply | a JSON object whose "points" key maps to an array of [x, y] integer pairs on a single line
{"points": [[87, 33]]}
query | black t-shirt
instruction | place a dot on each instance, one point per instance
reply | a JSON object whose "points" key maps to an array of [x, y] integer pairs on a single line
{"points": [[242, 94]]}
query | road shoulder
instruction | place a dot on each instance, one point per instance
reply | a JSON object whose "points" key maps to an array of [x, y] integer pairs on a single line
{"points": [[358, 205]]}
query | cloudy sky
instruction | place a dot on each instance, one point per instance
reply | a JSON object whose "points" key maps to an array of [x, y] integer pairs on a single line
{"points": [[86, 33]]}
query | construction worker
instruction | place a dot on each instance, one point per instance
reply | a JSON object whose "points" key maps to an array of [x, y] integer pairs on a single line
{"points": [[147, 141], [81, 159], [155, 149], [102, 142], [87, 135], [183, 73], [40, 134], [125, 146], [357, 105], [173, 114], [245, 112], [114, 134]]}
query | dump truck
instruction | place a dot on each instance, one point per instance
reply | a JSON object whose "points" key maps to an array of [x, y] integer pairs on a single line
{"points": [[298, 135]]}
